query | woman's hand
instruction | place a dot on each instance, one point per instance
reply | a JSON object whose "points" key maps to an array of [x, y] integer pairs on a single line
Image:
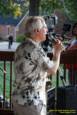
{"points": [[58, 46]]}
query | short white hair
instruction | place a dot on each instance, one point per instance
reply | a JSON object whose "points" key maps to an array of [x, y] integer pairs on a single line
{"points": [[34, 23]]}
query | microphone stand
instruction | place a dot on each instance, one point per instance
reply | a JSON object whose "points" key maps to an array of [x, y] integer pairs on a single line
{"points": [[59, 72], [56, 92]]}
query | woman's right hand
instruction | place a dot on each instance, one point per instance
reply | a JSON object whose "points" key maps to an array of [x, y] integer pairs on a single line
{"points": [[58, 46]]}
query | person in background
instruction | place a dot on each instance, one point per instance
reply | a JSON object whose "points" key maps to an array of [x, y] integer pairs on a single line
{"points": [[32, 67], [72, 69], [73, 41], [10, 38]]}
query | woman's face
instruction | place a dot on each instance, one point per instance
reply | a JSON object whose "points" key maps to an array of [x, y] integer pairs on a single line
{"points": [[43, 31]]}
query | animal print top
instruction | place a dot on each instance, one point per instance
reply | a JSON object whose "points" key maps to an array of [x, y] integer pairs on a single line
{"points": [[31, 65]]}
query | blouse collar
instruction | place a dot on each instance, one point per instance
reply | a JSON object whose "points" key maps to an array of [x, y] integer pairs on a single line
{"points": [[34, 42]]}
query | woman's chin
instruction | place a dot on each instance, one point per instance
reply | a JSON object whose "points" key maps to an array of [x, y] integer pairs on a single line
{"points": [[44, 38]]}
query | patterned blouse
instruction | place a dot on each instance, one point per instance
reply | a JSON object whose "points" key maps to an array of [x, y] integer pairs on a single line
{"points": [[31, 65]]}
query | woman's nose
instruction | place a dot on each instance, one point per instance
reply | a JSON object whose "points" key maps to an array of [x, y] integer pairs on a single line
{"points": [[46, 30]]}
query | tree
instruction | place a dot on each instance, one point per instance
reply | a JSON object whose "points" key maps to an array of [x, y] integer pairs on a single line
{"points": [[38, 7], [48, 6], [71, 9], [9, 7], [34, 7]]}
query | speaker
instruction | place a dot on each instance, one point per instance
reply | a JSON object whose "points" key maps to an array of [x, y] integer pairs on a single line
{"points": [[50, 99], [66, 99]]}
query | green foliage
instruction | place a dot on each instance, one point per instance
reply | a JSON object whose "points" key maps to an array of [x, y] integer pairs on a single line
{"points": [[25, 6], [71, 7], [8, 7], [20, 38], [47, 7]]}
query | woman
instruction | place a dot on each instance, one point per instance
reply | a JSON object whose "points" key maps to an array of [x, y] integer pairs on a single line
{"points": [[32, 66]]}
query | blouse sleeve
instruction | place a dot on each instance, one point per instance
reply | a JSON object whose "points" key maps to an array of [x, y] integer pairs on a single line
{"points": [[42, 60]]}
